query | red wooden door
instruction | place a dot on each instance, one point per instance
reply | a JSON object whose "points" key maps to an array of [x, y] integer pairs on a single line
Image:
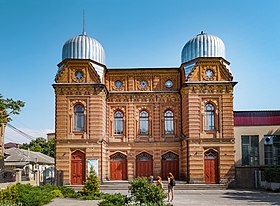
{"points": [[144, 165], [170, 163], [211, 167], [118, 167], [77, 168]]}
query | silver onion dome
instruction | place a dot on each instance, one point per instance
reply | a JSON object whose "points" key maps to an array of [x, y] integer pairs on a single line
{"points": [[203, 45], [83, 47]]}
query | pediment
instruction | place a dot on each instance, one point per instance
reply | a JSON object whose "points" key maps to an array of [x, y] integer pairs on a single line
{"points": [[209, 70], [77, 72]]}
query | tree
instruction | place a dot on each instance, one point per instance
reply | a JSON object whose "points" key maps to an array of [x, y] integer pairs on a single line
{"points": [[40, 145], [9, 107], [91, 186]]}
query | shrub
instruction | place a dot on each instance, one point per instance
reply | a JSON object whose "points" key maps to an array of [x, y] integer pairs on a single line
{"points": [[9, 195], [35, 196], [143, 192], [91, 186], [272, 174], [57, 193], [67, 191], [113, 200]]}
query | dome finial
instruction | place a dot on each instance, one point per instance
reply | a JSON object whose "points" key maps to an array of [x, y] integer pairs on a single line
{"points": [[84, 23], [201, 32]]}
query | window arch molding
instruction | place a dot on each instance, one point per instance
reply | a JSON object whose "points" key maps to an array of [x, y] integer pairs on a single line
{"points": [[113, 111], [209, 116], [118, 156], [79, 117], [144, 122], [168, 119], [170, 155], [144, 156], [118, 122]]}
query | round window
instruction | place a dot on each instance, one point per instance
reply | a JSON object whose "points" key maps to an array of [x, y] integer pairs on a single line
{"points": [[143, 83], [118, 84], [168, 83], [79, 74]]}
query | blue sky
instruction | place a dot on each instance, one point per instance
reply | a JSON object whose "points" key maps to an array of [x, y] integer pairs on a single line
{"points": [[134, 33]]}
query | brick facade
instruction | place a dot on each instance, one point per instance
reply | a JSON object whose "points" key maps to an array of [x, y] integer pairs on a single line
{"points": [[186, 150]]}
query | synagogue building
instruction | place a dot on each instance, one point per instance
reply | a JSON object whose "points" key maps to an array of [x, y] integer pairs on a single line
{"points": [[131, 122]]}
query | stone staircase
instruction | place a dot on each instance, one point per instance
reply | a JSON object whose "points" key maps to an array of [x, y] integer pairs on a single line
{"points": [[180, 185]]}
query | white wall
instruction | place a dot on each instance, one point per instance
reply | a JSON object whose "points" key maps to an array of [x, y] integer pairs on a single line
{"points": [[253, 130]]}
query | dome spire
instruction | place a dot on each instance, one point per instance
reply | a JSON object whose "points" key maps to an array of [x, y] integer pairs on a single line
{"points": [[84, 23]]}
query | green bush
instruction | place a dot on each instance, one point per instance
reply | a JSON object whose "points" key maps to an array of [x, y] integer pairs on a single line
{"points": [[8, 195], [26, 194], [35, 196], [91, 186], [113, 200], [143, 192], [57, 193], [67, 191], [272, 174]]}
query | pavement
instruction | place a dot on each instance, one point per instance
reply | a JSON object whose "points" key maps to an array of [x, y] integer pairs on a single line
{"points": [[196, 197]]}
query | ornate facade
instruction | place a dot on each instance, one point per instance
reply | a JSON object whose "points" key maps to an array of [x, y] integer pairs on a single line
{"points": [[145, 121]]}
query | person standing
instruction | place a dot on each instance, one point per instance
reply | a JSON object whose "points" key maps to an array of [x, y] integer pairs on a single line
{"points": [[159, 182], [171, 184]]}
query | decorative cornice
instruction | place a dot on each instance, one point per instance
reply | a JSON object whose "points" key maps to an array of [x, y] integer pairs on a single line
{"points": [[79, 89]]}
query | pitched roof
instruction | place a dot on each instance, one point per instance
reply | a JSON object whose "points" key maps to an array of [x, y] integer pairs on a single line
{"points": [[16, 156], [11, 144]]}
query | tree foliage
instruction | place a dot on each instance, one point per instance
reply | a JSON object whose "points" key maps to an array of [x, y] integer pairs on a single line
{"points": [[40, 145], [143, 192], [91, 186], [9, 107]]}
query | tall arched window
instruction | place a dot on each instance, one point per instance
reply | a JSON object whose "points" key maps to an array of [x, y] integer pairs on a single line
{"points": [[79, 117], [209, 117], [144, 122], [118, 122], [168, 122]]}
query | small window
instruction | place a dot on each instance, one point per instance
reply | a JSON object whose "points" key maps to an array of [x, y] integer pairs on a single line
{"points": [[143, 84], [79, 117], [209, 117], [144, 122], [168, 83], [272, 152], [168, 122], [118, 84], [118, 123]]}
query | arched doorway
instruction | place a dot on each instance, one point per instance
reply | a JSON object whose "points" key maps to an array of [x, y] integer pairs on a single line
{"points": [[77, 168], [170, 163], [118, 167], [211, 167], [144, 165]]}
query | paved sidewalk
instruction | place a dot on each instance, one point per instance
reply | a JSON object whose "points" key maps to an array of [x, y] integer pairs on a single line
{"points": [[197, 197]]}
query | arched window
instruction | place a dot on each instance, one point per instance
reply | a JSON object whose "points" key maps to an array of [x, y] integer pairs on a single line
{"points": [[209, 117], [118, 122], [144, 122], [79, 118], [168, 122]]}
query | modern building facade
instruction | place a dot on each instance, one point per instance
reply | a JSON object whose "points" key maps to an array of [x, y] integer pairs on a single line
{"points": [[257, 136], [130, 122], [257, 145]]}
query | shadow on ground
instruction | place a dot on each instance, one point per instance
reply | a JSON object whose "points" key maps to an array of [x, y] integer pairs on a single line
{"points": [[254, 196]]}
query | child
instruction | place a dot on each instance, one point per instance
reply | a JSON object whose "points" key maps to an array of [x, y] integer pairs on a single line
{"points": [[159, 182]]}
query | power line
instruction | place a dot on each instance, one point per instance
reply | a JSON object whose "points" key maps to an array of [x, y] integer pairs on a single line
{"points": [[20, 132]]}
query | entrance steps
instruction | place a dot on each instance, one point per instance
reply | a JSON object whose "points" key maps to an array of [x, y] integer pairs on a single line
{"points": [[180, 185]]}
